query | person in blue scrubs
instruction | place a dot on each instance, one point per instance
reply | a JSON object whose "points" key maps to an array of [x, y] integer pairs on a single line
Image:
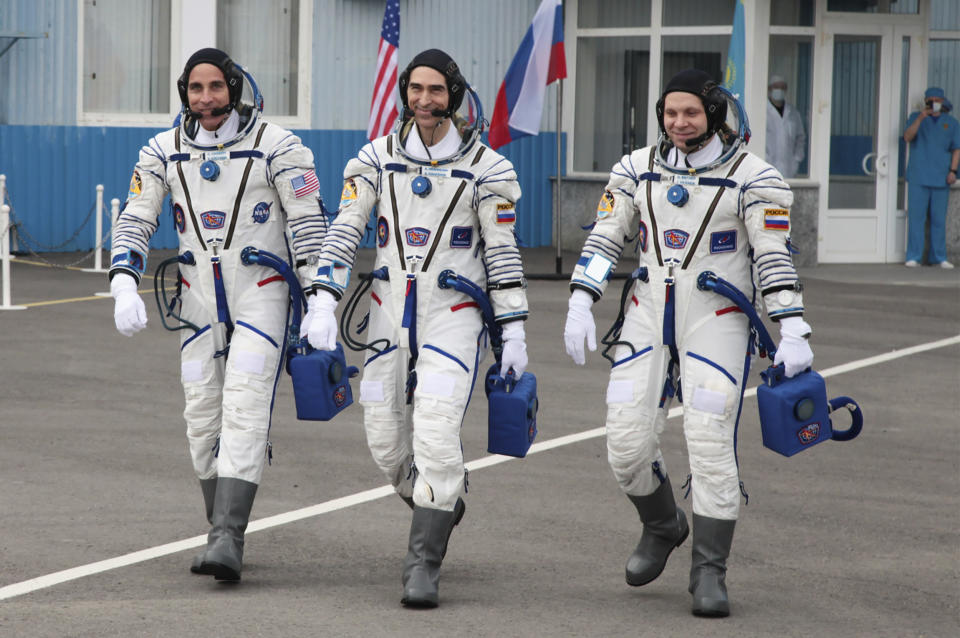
{"points": [[934, 139]]}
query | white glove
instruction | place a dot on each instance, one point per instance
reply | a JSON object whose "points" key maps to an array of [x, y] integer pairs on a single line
{"points": [[308, 318], [514, 350], [579, 325], [794, 350], [322, 325], [129, 313]]}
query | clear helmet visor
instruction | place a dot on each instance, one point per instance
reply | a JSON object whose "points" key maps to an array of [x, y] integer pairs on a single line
{"points": [[468, 121], [734, 133], [249, 109]]}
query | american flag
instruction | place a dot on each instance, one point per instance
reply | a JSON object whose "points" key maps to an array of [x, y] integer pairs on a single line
{"points": [[305, 184], [383, 107]]}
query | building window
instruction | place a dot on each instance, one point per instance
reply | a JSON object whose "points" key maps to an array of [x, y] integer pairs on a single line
{"points": [[688, 13], [616, 42], [612, 103], [792, 13], [613, 14], [943, 65], [126, 56], [788, 118], [264, 38], [873, 6]]}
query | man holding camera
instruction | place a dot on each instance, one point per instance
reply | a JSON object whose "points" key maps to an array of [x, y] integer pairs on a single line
{"points": [[934, 139]]}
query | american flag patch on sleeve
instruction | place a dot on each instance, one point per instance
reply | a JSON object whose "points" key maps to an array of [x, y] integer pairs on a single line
{"points": [[776, 219], [305, 184]]}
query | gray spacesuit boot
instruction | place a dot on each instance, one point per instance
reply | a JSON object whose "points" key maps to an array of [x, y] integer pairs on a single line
{"points": [[664, 528], [429, 533], [231, 513], [712, 538], [209, 489]]}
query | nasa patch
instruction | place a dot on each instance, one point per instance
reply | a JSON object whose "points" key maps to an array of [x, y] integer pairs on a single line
{"points": [[724, 241], [809, 433], [461, 237], [642, 237], [213, 219], [383, 232], [340, 395], [675, 238], [261, 212], [417, 236], [179, 219]]}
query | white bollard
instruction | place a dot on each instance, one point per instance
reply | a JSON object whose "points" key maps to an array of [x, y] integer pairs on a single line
{"points": [[5, 257], [98, 254], [3, 200], [114, 213]]}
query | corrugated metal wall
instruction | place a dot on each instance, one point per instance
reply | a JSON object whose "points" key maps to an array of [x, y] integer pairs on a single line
{"points": [[52, 173], [481, 36], [44, 88]]}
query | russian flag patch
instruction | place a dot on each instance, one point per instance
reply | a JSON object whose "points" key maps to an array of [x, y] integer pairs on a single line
{"points": [[506, 214], [776, 219]]}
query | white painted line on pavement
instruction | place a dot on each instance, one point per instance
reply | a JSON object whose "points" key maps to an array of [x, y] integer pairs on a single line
{"points": [[56, 578]]}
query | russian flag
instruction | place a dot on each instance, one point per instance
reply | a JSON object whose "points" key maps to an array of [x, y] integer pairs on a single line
{"points": [[539, 62]]}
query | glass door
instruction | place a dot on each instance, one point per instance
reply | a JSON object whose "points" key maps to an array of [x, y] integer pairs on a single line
{"points": [[854, 228], [863, 67]]}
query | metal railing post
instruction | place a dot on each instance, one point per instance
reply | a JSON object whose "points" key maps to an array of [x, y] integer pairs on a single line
{"points": [[5, 257]]}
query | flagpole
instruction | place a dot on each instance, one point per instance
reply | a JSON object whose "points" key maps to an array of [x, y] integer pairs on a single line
{"points": [[559, 178]]}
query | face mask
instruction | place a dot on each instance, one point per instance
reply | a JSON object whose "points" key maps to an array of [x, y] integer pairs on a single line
{"points": [[936, 107], [777, 95]]}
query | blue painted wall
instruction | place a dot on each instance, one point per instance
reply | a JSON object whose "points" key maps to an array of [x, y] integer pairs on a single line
{"points": [[52, 173]]}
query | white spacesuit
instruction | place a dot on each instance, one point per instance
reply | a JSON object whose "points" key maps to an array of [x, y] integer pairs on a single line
{"points": [[457, 214], [714, 208], [257, 188]]}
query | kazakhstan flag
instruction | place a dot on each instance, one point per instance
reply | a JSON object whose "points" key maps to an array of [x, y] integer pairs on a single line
{"points": [[733, 74]]}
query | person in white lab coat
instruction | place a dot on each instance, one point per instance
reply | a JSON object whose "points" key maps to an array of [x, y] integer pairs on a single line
{"points": [[786, 138]]}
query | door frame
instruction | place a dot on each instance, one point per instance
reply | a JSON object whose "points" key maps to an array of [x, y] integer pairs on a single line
{"points": [[892, 29]]}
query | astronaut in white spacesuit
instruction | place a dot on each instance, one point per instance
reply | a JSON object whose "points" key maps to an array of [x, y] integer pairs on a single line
{"points": [[234, 181], [694, 202], [443, 201]]}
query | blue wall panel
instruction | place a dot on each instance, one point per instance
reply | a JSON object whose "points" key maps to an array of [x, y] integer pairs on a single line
{"points": [[52, 173]]}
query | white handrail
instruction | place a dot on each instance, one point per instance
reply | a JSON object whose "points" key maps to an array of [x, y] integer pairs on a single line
{"points": [[5, 257]]}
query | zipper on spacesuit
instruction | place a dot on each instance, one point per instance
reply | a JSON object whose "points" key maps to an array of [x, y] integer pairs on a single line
{"points": [[223, 312], [409, 321], [670, 335]]}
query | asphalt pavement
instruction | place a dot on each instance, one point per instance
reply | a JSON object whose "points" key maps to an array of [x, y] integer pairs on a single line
{"points": [[101, 514]]}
